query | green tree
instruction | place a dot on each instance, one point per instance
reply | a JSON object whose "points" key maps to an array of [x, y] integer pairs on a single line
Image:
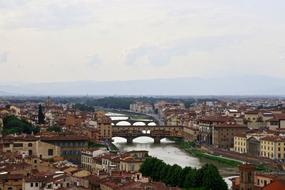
{"points": [[54, 129], [174, 175], [183, 176], [164, 173], [206, 178], [41, 115], [212, 179], [14, 125], [191, 179]]}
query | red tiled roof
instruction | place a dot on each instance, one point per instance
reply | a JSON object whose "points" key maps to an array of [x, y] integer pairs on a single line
{"points": [[275, 185], [225, 125], [274, 138]]}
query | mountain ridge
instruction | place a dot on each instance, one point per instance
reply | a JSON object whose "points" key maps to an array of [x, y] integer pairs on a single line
{"points": [[248, 85]]}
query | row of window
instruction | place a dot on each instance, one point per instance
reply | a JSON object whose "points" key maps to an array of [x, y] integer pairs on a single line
{"points": [[36, 184], [70, 152], [70, 144]]}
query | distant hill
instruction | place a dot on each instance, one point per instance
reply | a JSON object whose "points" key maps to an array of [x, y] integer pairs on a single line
{"points": [[257, 85]]}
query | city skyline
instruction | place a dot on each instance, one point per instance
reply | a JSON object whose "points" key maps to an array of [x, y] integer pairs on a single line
{"points": [[47, 41]]}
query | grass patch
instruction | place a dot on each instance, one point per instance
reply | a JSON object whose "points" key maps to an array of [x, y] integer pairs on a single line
{"points": [[95, 145], [113, 148], [263, 168], [230, 162], [190, 148]]}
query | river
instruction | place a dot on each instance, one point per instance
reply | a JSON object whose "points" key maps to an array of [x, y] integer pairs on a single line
{"points": [[171, 154]]}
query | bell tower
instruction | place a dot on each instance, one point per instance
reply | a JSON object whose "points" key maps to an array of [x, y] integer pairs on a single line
{"points": [[247, 176]]}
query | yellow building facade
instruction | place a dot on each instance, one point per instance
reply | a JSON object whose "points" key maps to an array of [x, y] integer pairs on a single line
{"points": [[273, 147], [240, 144]]}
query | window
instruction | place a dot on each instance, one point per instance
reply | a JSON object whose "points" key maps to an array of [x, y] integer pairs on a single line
{"points": [[6, 145], [18, 144], [30, 145], [50, 152], [32, 184], [36, 184]]}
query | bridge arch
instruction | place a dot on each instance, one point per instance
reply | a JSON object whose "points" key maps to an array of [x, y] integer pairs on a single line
{"points": [[139, 123], [123, 123], [120, 139], [152, 124]]}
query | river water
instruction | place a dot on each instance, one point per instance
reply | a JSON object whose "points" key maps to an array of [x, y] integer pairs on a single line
{"points": [[171, 154]]}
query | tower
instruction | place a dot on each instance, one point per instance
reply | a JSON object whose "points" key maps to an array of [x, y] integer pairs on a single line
{"points": [[246, 176], [48, 103]]}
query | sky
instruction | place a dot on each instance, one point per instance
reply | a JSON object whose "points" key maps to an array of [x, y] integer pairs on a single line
{"points": [[110, 40]]}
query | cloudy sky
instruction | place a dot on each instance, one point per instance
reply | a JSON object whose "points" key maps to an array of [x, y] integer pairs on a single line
{"points": [[103, 40]]}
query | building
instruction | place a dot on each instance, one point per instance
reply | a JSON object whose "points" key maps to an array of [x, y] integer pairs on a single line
{"points": [[240, 143], [223, 134], [31, 146], [73, 120], [232, 113], [277, 122], [249, 179], [254, 119], [250, 143], [206, 124], [11, 181], [87, 158], [273, 147], [130, 164], [70, 146], [141, 107], [104, 127]]}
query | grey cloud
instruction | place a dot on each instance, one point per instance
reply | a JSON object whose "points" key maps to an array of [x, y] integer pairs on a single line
{"points": [[49, 15], [162, 55]]}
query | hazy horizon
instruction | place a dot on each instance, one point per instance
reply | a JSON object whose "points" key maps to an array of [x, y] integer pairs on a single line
{"points": [[249, 85]]}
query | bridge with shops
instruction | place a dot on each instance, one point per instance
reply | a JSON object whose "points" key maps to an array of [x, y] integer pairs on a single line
{"points": [[156, 132]]}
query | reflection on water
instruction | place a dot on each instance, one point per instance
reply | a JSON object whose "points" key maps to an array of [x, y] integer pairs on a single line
{"points": [[169, 153]]}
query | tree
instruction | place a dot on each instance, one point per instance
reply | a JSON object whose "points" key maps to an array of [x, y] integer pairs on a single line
{"points": [[41, 115], [212, 179], [185, 171], [14, 125], [174, 175], [54, 129], [206, 178]]}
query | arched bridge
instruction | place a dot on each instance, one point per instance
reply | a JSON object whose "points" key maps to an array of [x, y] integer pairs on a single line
{"points": [[133, 122], [156, 132]]}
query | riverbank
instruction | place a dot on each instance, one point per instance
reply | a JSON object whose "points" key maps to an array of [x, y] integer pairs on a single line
{"points": [[190, 148], [109, 146]]}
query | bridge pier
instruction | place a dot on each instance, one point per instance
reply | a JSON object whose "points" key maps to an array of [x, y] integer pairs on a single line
{"points": [[129, 140], [157, 140]]}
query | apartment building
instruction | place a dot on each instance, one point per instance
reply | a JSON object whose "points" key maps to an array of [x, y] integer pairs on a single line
{"points": [[273, 147]]}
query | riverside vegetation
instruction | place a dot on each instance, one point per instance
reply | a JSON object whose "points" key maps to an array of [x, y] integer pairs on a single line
{"points": [[205, 178]]}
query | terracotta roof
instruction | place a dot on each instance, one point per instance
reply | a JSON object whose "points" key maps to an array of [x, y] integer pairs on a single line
{"points": [[64, 138], [275, 185], [252, 112], [221, 119], [274, 138], [225, 125], [241, 135]]}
